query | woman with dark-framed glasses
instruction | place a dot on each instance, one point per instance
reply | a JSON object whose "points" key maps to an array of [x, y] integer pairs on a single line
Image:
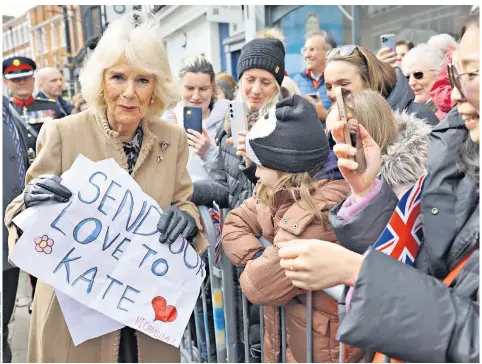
{"points": [[357, 69]]}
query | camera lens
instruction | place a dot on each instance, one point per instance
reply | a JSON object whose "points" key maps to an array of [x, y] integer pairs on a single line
{"points": [[232, 116], [231, 110]]}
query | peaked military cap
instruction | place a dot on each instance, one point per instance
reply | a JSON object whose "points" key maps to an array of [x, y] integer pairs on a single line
{"points": [[16, 67]]}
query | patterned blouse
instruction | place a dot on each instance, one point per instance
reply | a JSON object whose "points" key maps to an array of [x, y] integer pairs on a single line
{"points": [[133, 148]]}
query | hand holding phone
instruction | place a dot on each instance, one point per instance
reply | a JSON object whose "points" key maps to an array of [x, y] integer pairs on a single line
{"points": [[388, 41], [237, 119], [346, 109]]}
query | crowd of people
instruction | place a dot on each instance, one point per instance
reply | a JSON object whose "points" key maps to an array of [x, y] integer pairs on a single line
{"points": [[291, 179]]}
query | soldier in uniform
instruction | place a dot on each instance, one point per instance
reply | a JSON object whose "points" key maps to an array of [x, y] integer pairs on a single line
{"points": [[18, 74]]}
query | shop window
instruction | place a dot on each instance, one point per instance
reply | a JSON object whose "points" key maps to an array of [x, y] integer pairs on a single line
{"points": [[305, 19]]}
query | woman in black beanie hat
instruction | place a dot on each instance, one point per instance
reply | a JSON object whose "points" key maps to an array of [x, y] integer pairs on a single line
{"points": [[260, 72]]}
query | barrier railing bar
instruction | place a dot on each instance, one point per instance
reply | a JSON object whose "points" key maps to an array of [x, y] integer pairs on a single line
{"points": [[206, 325], [216, 284], [229, 309], [283, 334], [229, 297], [309, 327], [216, 272], [198, 326], [261, 335], [189, 338], [246, 329]]}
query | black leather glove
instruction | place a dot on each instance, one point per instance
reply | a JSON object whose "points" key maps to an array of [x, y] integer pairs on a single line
{"points": [[45, 188], [174, 222]]}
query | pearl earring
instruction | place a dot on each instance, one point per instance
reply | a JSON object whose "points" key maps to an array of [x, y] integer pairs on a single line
{"points": [[152, 99]]}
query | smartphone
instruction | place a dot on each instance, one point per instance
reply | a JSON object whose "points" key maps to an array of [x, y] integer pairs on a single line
{"points": [[193, 118], [238, 119], [388, 41], [347, 109]]}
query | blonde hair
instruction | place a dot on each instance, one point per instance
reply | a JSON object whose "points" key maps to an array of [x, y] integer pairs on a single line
{"points": [[377, 75], [373, 112], [302, 188], [273, 33], [291, 86], [143, 49]]}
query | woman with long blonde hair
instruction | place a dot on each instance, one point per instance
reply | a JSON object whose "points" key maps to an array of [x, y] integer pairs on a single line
{"points": [[260, 73]]}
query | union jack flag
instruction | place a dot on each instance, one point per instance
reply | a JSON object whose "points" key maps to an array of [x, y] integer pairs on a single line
{"points": [[216, 217], [403, 235]]}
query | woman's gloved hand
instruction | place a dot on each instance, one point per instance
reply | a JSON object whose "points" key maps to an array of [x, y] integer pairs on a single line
{"points": [[174, 222], [45, 188]]}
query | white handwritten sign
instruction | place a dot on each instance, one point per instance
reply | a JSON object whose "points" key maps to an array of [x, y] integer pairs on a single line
{"points": [[102, 249]]}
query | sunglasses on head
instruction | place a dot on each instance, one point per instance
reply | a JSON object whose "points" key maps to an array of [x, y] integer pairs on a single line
{"points": [[346, 50]]}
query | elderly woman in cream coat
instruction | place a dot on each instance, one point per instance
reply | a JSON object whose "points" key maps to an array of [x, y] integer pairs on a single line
{"points": [[127, 82]]}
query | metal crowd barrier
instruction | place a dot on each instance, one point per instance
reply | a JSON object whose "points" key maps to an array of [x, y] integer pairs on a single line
{"points": [[224, 310]]}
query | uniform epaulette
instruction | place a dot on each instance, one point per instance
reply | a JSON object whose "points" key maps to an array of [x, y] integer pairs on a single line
{"points": [[45, 99]]}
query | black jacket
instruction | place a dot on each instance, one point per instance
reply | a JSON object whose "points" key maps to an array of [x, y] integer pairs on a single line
{"points": [[12, 185], [408, 313], [234, 182], [65, 107], [402, 98]]}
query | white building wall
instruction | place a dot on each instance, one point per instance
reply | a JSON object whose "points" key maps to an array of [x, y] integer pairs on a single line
{"points": [[186, 32]]}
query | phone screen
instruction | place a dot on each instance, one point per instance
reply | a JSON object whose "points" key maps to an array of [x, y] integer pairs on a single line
{"points": [[347, 109]]}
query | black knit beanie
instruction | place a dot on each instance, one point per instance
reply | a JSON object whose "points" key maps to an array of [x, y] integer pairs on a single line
{"points": [[290, 139], [263, 53]]}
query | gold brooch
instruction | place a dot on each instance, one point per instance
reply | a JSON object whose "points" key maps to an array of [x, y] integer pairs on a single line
{"points": [[164, 145]]}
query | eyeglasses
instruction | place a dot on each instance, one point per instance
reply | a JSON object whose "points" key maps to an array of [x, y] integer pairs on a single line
{"points": [[455, 76], [418, 75], [310, 49], [346, 50]]}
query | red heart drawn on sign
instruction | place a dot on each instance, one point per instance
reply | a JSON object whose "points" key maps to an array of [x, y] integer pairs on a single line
{"points": [[163, 312]]}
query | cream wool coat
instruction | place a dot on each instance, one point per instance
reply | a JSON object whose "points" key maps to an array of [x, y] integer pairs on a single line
{"points": [[167, 181]]}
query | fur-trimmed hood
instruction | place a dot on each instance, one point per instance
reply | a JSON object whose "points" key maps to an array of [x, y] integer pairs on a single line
{"points": [[406, 158]]}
